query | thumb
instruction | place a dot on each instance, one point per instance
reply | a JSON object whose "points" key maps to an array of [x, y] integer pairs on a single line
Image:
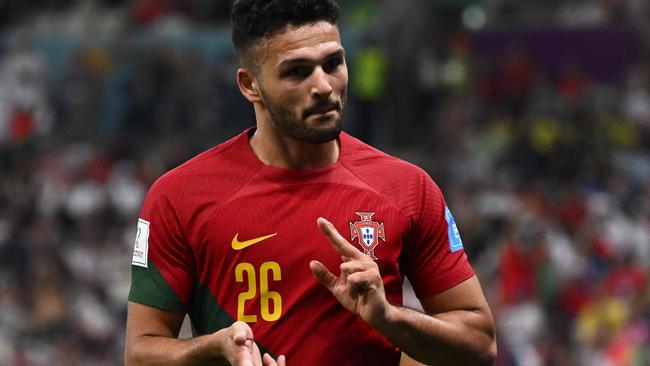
{"points": [[322, 274]]}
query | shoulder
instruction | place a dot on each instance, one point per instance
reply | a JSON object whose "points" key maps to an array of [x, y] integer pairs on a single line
{"points": [[380, 169], [217, 173], [399, 181]]}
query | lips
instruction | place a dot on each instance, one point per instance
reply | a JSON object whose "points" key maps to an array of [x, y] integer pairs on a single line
{"points": [[322, 109]]}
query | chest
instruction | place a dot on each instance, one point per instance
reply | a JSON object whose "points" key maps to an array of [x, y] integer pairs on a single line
{"points": [[278, 227], [253, 253]]}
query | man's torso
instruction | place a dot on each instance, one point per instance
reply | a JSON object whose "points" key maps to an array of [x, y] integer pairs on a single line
{"points": [[247, 233]]}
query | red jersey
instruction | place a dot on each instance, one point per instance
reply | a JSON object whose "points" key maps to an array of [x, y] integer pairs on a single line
{"points": [[224, 237]]}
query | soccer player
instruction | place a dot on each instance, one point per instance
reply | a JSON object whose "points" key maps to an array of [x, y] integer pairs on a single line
{"points": [[292, 240]]}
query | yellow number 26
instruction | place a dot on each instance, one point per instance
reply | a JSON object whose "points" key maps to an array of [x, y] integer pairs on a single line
{"points": [[266, 297]]}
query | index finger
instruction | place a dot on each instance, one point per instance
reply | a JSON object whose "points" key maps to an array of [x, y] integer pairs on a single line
{"points": [[339, 243]]}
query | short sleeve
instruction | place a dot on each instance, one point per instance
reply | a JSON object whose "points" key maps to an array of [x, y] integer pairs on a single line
{"points": [[434, 258], [163, 267]]}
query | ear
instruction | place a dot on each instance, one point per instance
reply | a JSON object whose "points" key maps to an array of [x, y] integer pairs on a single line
{"points": [[248, 85]]}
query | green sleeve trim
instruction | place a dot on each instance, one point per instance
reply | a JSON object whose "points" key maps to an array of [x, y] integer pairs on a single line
{"points": [[209, 316], [148, 287], [206, 313]]}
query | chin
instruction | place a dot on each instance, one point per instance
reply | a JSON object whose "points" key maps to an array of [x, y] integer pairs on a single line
{"points": [[320, 135]]}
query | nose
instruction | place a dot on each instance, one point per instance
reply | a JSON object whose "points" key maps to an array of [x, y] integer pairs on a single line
{"points": [[321, 87]]}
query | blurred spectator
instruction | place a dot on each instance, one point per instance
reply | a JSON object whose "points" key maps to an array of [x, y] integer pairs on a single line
{"points": [[581, 12], [636, 101], [25, 109], [368, 83]]}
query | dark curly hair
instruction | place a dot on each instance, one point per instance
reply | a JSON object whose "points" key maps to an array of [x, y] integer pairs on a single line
{"points": [[253, 20]]}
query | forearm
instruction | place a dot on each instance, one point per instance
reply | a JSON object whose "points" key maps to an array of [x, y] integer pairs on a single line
{"points": [[460, 337], [161, 350]]}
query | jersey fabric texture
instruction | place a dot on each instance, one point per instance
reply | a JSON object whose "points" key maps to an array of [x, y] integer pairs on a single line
{"points": [[231, 239]]}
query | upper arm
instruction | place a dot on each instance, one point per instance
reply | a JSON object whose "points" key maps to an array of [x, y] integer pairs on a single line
{"points": [[466, 296], [163, 271], [445, 283], [433, 258], [465, 316], [144, 320], [162, 278], [148, 332]]}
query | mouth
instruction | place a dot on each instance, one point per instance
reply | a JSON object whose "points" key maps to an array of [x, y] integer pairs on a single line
{"points": [[322, 109]]}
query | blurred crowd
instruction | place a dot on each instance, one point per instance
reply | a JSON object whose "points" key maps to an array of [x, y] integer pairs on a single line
{"points": [[547, 172]]}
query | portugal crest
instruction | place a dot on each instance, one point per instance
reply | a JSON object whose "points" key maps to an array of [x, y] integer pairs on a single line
{"points": [[369, 232]]}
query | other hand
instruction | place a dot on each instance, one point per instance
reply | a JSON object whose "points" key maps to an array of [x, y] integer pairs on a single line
{"points": [[240, 349]]}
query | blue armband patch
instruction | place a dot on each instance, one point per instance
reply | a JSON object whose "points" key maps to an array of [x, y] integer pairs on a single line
{"points": [[455, 243]]}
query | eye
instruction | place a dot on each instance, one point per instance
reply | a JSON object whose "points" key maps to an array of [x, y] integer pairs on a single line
{"points": [[332, 64], [298, 72]]}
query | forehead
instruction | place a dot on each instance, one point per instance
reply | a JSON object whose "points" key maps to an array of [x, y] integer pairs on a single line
{"points": [[310, 41]]}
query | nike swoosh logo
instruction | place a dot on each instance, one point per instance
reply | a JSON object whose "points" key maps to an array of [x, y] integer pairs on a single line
{"points": [[239, 245]]}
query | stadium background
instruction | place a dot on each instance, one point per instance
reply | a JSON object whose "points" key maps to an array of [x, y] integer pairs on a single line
{"points": [[533, 116]]}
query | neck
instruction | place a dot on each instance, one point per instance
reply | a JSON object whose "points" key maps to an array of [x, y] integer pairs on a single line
{"points": [[274, 149]]}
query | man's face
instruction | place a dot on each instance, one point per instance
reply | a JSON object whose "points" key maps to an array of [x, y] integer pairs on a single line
{"points": [[303, 79]]}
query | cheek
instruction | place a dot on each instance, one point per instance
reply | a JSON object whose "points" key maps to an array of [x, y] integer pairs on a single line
{"points": [[342, 81], [283, 95], [291, 100]]}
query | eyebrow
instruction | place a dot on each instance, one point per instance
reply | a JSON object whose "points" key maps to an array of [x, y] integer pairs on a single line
{"points": [[292, 61]]}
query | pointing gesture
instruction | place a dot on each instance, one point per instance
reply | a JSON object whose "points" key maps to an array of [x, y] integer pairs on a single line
{"points": [[359, 287]]}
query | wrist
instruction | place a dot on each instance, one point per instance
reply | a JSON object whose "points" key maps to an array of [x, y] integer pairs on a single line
{"points": [[384, 317], [208, 348], [218, 342]]}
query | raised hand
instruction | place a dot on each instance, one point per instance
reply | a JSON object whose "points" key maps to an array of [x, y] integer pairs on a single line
{"points": [[359, 287]]}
